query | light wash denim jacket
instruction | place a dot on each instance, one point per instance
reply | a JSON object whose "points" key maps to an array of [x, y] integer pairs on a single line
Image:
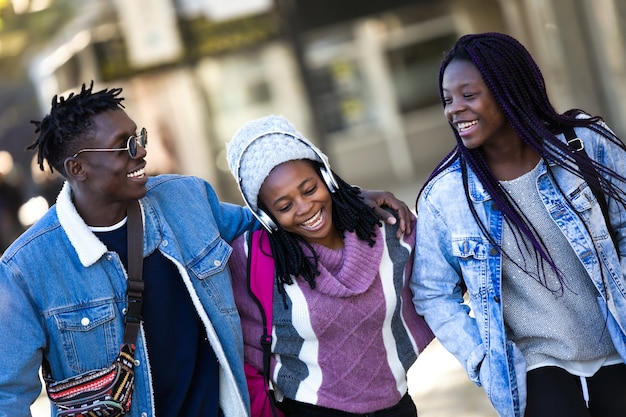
{"points": [[62, 294], [450, 245]]}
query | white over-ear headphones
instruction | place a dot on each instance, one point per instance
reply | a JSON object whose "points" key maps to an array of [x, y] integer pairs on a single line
{"points": [[325, 172]]}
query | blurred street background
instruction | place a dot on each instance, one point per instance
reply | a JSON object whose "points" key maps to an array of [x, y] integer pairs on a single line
{"points": [[357, 77]]}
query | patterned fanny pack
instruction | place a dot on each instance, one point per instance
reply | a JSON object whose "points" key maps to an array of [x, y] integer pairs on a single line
{"points": [[105, 392]]}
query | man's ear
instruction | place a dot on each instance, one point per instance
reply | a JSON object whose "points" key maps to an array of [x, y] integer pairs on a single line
{"points": [[74, 169]]}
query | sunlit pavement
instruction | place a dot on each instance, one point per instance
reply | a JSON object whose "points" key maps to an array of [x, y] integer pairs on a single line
{"points": [[437, 383], [440, 387], [41, 408]]}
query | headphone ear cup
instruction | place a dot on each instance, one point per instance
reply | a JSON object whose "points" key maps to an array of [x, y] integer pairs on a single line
{"points": [[266, 221], [329, 179]]}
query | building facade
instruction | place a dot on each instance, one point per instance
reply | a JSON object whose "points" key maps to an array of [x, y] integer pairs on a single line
{"points": [[358, 78]]}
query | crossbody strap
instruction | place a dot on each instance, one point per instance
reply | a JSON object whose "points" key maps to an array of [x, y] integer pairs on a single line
{"points": [[261, 288], [135, 273]]}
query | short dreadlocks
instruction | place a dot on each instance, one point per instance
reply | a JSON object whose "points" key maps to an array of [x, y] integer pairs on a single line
{"points": [[69, 120]]}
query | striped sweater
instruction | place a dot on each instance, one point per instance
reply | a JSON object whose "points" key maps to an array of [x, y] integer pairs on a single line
{"points": [[348, 343]]}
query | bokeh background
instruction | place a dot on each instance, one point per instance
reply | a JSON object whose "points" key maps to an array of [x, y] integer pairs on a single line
{"points": [[357, 77]]}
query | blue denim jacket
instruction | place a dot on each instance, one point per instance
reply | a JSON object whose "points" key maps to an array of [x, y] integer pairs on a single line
{"points": [[62, 294], [450, 245]]}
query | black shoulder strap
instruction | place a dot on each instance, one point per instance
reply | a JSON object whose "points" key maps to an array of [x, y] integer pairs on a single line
{"points": [[135, 273], [579, 153]]}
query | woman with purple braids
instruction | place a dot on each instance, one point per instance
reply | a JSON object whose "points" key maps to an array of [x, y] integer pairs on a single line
{"points": [[526, 218]]}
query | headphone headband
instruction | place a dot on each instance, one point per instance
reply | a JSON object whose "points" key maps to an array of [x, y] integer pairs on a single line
{"points": [[326, 173]]}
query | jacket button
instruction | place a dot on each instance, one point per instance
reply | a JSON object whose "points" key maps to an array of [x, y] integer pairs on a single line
{"points": [[496, 299], [493, 251], [217, 262], [85, 321], [165, 243], [137, 362]]}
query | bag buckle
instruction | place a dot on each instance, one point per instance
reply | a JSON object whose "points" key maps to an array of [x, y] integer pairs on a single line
{"points": [[576, 144]]}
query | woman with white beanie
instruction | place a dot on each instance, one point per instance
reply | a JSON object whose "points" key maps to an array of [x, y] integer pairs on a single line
{"points": [[344, 330]]}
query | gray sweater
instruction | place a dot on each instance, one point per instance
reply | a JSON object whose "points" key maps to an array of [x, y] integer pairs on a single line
{"points": [[561, 322]]}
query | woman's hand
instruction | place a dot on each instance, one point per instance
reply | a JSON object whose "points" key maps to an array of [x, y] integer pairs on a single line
{"points": [[378, 199]]}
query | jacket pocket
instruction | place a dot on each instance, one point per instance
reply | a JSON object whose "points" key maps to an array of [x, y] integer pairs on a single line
{"points": [[471, 253], [584, 203], [213, 261], [469, 248], [87, 335], [211, 271]]}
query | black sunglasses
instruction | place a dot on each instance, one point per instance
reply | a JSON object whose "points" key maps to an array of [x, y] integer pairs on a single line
{"points": [[131, 145]]}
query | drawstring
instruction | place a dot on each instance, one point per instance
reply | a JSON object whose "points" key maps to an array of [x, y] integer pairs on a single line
{"points": [[583, 383]]}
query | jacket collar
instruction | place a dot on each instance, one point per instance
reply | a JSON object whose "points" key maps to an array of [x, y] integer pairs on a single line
{"points": [[477, 191], [86, 244]]}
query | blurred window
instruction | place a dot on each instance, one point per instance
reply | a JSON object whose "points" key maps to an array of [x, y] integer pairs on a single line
{"points": [[414, 70], [340, 94]]}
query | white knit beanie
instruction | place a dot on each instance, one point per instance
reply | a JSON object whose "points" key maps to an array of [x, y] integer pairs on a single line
{"points": [[259, 146]]}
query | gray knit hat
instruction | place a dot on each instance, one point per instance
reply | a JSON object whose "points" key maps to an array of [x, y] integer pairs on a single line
{"points": [[259, 146]]}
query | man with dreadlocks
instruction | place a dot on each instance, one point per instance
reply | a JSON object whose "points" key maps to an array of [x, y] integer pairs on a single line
{"points": [[528, 214], [63, 283], [345, 328]]}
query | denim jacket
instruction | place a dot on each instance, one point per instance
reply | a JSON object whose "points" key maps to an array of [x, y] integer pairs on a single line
{"points": [[62, 294], [450, 247]]}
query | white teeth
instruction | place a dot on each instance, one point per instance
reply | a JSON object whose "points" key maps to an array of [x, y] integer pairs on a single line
{"points": [[314, 221], [139, 173], [466, 125]]}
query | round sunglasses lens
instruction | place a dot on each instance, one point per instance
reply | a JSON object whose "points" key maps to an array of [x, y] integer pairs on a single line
{"points": [[132, 147]]}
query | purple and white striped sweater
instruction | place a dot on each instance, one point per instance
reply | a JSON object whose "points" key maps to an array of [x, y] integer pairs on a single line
{"points": [[348, 343]]}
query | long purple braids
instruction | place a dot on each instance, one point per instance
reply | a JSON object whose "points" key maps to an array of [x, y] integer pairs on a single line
{"points": [[516, 83]]}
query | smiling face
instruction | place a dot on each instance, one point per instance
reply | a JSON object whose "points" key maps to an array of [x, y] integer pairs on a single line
{"points": [[471, 108], [104, 182], [298, 199]]}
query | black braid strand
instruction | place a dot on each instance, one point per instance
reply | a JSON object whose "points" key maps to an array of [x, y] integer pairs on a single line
{"points": [[293, 256]]}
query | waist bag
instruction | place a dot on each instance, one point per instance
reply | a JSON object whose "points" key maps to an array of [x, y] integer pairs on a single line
{"points": [[102, 393], [107, 392]]}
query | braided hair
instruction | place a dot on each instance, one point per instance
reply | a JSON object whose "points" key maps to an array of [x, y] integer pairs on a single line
{"points": [[294, 256], [517, 85], [69, 120]]}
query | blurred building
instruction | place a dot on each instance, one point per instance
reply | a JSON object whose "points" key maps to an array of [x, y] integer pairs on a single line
{"points": [[359, 78]]}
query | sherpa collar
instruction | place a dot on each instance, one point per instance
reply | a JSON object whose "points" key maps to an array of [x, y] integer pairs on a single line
{"points": [[87, 245]]}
